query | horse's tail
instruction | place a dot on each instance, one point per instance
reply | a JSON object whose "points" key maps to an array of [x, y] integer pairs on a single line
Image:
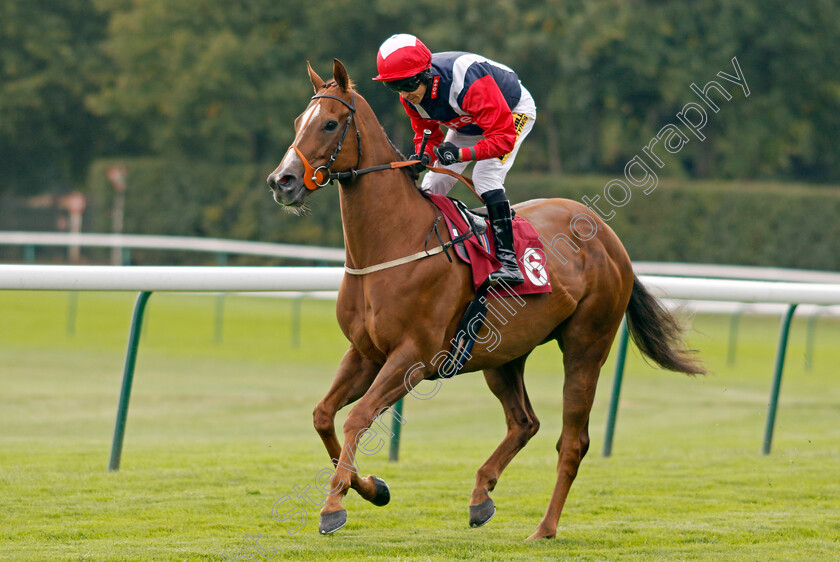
{"points": [[658, 334]]}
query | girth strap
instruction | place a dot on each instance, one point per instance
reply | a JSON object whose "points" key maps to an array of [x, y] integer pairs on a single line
{"points": [[394, 263]]}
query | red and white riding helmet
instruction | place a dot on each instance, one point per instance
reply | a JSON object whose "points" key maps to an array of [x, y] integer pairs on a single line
{"points": [[402, 56]]}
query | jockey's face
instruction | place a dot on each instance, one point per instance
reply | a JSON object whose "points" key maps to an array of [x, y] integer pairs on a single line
{"points": [[415, 96]]}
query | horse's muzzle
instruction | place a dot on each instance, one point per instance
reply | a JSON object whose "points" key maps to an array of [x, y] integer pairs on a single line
{"points": [[287, 189]]}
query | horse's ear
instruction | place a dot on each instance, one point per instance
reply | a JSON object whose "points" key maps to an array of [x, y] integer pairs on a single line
{"points": [[340, 75], [317, 81]]}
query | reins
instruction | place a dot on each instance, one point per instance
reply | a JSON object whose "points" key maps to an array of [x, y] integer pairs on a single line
{"points": [[352, 174], [321, 176]]}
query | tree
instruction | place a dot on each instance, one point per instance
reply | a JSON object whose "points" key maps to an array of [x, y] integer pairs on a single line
{"points": [[49, 58], [204, 79]]}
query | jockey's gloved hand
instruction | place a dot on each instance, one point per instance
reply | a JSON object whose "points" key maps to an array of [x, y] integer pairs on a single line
{"points": [[447, 153], [424, 161]]}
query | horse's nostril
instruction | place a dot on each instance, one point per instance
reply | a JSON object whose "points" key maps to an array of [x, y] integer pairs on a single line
{"points": [[276, 181]]}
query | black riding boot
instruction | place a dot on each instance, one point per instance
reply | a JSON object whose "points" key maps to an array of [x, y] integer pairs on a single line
{"points": [[498, 208]]}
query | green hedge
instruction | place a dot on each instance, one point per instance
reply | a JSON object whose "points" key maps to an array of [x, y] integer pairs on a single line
{"points": [[782, 225]]}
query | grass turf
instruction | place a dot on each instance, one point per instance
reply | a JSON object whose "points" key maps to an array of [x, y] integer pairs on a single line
{"points": [[217, 432]]}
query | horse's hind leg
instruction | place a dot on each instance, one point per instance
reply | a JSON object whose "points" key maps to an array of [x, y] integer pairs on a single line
{"points": [[585, 348], [354, 376], [508, 385]]}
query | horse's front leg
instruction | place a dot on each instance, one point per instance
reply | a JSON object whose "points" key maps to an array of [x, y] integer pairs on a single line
{"points": [[397, 377], [354, 376]]}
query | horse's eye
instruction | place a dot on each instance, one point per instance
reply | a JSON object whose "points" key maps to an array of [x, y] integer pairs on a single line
{"points": [[330, 125]]}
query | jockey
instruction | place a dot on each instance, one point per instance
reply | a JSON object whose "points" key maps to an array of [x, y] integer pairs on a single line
{"points": [[488, 113]]}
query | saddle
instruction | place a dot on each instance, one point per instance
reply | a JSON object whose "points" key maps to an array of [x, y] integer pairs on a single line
{"points": [[473, 241], [478, 220], [478, 224]]}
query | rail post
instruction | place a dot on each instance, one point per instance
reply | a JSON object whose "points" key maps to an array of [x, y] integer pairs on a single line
{"points": [[784, 331], [810, 336], [618, 375], [128, 378], [396, 429], [733, 337], [29, 254]]}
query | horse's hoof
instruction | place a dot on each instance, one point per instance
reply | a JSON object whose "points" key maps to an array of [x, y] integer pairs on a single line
{"points": [[383, 493], [482, 513], [332, 522], [537, 536], [542, 533]]}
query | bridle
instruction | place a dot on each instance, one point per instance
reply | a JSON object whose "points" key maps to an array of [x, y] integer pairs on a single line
{"points": [[321, 176]]}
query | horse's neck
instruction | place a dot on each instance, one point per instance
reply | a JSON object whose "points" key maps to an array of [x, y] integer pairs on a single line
{"points": [[383, 214]]}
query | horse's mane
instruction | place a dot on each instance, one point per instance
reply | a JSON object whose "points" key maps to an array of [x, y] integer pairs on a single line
{"points": [[412, 173]]}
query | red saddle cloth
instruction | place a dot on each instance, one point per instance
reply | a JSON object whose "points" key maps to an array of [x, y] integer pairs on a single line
{"points": [[480, 249]]}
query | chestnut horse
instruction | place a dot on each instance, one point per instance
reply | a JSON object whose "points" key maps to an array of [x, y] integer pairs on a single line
{"points": [[399, 318]]}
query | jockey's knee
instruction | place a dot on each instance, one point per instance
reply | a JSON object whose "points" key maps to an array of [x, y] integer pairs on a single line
{"points": [[486, 180], [438, 184]]}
